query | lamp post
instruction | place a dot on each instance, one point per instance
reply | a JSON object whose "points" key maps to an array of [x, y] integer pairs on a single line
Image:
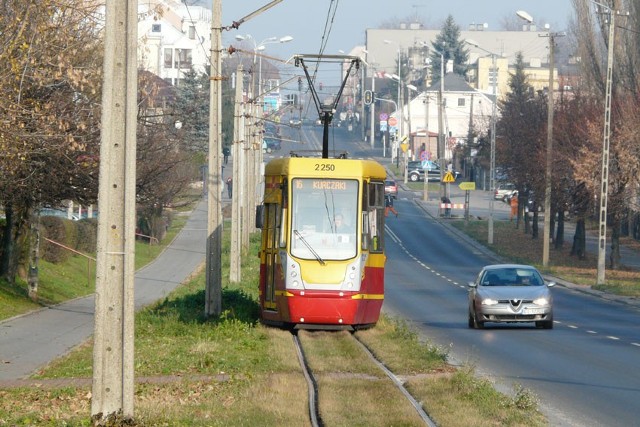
{"points": [[547, 176], [492, 163]]}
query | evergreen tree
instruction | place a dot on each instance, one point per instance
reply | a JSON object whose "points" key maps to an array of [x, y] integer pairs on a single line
{"points": [[449, 44], [520, 148], [191, 109]]}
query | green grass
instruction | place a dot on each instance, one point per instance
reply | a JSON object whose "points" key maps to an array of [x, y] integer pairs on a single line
{"points": [[513, 244]]}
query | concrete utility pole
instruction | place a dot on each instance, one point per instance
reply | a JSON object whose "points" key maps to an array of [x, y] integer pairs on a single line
{"points": [[441, 125], [113, 364], [604, 187], [238, 137], [213, 286], [547, 188]]}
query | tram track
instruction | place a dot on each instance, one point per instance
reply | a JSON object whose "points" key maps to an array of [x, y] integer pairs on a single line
{"points": [[313, 389]]}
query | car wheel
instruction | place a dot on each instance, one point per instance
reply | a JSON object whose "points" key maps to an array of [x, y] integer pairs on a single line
{"points": [[413, 177], [474, 322], [547, 324]]}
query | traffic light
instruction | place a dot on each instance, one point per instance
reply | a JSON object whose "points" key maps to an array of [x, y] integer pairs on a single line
{"points": [[368, 97]]}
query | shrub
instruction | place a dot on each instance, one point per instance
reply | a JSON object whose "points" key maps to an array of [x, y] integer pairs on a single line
{"points": [[54, 228], [87, 235]]}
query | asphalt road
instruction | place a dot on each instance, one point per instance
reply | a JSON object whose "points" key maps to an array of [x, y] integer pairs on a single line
{"points": [[585, 371], [30, 341]]}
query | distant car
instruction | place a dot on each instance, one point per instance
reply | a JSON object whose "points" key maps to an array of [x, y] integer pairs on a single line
{"points": [[273, 144], [295, 123], [416, 169], [510, 293], [504, 191], [391, 188]]}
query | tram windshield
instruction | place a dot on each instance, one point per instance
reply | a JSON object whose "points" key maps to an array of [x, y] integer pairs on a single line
{"points": [[324, 218]]}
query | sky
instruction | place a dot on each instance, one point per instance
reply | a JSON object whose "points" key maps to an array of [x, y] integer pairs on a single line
{"points": [[305, 20]]}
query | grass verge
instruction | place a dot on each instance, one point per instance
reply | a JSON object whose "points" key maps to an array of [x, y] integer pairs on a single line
{"points": [[513, 244]]}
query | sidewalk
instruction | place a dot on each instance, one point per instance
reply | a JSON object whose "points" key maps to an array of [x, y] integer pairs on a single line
{"points": [[31, 341]]}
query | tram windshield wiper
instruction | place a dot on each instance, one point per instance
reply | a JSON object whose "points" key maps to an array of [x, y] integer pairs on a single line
{"points": [[303, 240]]}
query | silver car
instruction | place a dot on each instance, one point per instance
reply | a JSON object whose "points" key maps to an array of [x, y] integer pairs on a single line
{"points": [[506, 293]]}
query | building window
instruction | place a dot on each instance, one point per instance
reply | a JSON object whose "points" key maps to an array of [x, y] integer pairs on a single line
{"points": [[461, 102], [192, 32], [156, 28], [183, 58], [168, 57]]}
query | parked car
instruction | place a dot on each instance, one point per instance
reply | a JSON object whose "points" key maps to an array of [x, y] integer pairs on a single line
{"points": [[416, 169], [504, 191], [391, 188], [510, 293]]}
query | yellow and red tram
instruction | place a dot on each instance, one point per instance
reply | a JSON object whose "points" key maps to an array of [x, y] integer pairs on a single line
{"points": [[322, 253]]}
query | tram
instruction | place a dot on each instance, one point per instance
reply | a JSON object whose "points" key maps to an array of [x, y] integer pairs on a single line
{"points": [[322, 252]]}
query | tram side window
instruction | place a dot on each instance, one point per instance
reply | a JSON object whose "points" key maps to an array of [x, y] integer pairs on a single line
{"points": [[375, 217], [271, 226]]}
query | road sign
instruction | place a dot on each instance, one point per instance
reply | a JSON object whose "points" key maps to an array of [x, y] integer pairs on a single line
{"points": [[383, 125], [384, 116], [404, 146], [448, 177], [467, 185], [392, 121]]}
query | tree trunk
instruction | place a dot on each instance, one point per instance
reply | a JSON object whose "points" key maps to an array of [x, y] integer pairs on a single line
{"points": [[534, 222], [7, 242], [552, 226], [34, 255], [579, 240], [614, 258], [559, 240]]}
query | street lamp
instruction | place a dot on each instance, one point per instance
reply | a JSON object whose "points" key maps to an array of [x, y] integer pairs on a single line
{"points": [[492, 163], [260, 47], [547, 186]]}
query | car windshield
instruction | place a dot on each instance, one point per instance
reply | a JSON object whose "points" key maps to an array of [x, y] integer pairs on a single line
{"points": [[511, 276]]}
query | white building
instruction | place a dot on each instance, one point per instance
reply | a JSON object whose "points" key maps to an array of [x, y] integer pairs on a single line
{"points": [[173, 38], [463, 107]]}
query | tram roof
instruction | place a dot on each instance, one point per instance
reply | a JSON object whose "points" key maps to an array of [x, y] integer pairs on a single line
{"points": [[312, 167]]}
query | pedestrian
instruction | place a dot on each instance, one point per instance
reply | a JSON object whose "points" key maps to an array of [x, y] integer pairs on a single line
{"points": [[225, 153], [514, 206], [388, 205], [230, 186], [446, 202]]}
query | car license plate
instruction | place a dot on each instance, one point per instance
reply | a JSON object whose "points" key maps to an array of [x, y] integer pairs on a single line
{"points": [[534, 311]]}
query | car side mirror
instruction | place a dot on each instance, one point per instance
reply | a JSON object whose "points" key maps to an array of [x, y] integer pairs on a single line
{"points": [[551, 284], [472, 284]]}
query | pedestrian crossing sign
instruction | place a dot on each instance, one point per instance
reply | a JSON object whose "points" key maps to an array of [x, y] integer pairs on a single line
{"points": [[448, 177]]}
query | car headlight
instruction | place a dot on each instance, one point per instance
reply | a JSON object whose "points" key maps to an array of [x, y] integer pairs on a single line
{"points": [[489, 301], [541, 301]]}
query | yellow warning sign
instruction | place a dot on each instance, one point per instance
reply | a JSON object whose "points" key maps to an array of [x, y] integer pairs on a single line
{"points": [[404, 147], [448, 177]]}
